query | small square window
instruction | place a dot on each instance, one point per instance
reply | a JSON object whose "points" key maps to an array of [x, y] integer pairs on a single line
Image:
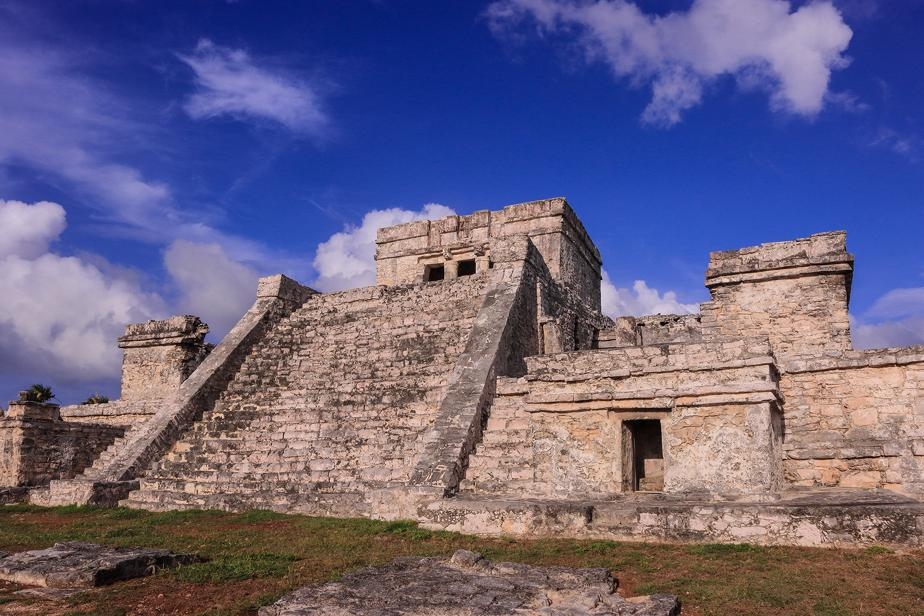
{"points": [[466, 268], [433, 273]]}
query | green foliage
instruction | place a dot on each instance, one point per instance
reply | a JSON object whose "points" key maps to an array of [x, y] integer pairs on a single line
{"points": [[96, 398], [39, 393], [233, 568]]}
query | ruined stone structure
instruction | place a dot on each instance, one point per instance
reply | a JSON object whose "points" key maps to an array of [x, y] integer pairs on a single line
{"points": [[478, 388]]}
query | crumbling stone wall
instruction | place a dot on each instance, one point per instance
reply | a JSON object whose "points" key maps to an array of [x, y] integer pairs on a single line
{"points": [[651, 330], [856, 420], [36, 445]]}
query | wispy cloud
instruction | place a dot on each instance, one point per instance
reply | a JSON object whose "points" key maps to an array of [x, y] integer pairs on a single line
{"points": [[763, 43], [230, 83], [904, 145], [57, 119]]}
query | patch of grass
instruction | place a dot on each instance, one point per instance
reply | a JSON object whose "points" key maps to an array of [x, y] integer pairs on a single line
{"points": [[236, 568], [722, 549], [879, 549]]}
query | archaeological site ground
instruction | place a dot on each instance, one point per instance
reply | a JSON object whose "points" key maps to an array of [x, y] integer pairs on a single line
{"points": [[478, 388]]}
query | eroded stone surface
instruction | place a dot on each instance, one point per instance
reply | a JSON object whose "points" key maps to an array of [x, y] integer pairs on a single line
{"points": [[469, 585], [75, 564]]}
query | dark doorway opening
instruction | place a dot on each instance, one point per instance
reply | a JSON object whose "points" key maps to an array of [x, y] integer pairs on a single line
{"points": [[642, 456], [434, 272], [466, 268]]}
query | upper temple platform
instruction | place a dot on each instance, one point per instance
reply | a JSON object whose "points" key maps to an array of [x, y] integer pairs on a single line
{"points": [[460, 245]]}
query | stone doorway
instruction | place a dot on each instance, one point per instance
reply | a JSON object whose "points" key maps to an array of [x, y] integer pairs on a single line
{"points": [[642, 456]]}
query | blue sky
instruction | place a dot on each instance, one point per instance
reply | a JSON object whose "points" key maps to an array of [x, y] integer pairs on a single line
{"points": [[185, 148]]}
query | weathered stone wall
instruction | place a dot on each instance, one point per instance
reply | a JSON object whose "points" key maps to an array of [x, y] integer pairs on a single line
{"points": [[403, 252], [160, 355], [856, 420], [557, 432], [36, 445], [795, 293]]}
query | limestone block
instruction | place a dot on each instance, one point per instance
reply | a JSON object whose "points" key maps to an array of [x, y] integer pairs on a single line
{"points": [[75, 564], [468, 584]]}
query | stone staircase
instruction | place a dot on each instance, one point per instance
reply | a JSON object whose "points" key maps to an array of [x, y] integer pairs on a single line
{"points": [[331, 404], [496, 466]]}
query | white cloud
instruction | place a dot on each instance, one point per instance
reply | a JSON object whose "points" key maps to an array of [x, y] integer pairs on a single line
{"points": [[229, 83], [789, 53], [211, 284], [640, 300], [59, 315], [347, 258], [27, 230], [895, 319]]}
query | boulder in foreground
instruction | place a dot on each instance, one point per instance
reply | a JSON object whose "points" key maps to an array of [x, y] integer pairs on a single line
{"points": [[75, 564], [469, 585]]}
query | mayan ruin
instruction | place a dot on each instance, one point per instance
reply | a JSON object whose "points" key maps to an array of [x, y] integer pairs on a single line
{"points": [[478, 388]]}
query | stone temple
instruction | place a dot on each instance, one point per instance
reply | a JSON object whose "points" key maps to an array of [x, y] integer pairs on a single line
{"points": [[478, 388]]}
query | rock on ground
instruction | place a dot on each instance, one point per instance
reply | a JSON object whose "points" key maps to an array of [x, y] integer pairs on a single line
{"points": [[469, 585], [75, 564]]}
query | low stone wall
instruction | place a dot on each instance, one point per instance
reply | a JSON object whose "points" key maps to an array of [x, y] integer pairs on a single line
{"points": [[37, 446], [848, 519], [651, 330], [856, 420]]}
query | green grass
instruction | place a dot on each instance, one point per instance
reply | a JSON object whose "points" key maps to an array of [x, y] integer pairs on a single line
{"points": [[255, 557]]}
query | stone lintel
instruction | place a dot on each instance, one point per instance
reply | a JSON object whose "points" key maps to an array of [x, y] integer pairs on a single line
{"points": [[703, 396], [176, 330], [828, 248], [830, 268]]}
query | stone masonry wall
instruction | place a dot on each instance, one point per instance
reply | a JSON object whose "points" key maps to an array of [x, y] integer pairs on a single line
{"points": [[333, 400], [36, 446], [557, 432], [856, 420], [160, 355], [404, 251]]}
